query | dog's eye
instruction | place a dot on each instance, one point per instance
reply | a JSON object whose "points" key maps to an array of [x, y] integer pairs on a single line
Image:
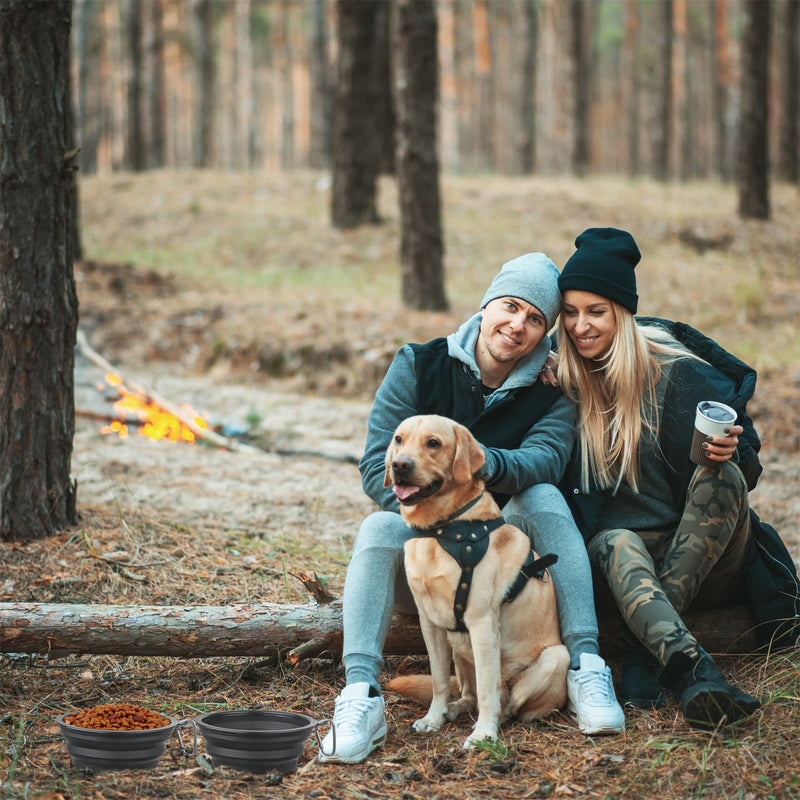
{"points": [[433, 443], [398, 440]]}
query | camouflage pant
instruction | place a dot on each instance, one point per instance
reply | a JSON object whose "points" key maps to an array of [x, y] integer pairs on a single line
{"points": [[655, 575]]}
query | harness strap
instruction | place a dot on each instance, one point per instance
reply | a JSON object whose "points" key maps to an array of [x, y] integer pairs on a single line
{"points": [[532, 568], [467, 541]]}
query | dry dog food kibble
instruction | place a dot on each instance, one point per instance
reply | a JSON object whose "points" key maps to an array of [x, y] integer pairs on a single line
{"points": [[117, 717]]}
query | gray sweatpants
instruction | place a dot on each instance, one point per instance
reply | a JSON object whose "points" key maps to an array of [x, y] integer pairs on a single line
{"points": [[375, 584]]}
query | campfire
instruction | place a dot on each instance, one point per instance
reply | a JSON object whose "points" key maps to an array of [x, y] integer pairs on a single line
{"points": [[150, 418]]}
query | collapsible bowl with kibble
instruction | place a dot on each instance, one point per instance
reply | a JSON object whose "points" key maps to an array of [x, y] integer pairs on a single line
{"points": [[123, 736]]}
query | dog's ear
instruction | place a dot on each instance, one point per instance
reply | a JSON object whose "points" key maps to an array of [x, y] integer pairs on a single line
{"points": [[468, 457], [387, 476]]}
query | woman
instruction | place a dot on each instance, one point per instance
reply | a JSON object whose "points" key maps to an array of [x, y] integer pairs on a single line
{"points": [[663, 531]]}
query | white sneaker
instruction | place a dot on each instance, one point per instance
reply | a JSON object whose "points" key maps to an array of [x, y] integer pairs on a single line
{"points": [[591, 697], [359, 726]]}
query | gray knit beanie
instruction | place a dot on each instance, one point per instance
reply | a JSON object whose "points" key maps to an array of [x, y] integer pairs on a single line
{"points": [[532, 278]]}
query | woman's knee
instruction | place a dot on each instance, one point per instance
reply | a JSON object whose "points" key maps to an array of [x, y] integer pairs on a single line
{"points": [[606, 547]]}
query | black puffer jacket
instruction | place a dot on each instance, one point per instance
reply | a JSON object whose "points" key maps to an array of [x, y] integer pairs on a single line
{"points": [[770, 576]]}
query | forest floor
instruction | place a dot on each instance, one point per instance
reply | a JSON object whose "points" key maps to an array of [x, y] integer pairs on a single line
{"points": [[231, 293]]}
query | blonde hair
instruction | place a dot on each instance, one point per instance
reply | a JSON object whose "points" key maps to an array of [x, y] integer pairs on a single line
{"points": [[616, 396]]}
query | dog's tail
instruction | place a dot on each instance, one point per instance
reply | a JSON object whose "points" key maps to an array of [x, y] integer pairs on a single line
{"points": [[418, 687]]}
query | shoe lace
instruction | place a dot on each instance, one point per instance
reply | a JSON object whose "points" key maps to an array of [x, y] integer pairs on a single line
{"points": [[596, 686], [349, 715]]}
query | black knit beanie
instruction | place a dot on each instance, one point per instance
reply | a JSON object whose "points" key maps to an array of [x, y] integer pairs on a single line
{"points": [[603, 264]]}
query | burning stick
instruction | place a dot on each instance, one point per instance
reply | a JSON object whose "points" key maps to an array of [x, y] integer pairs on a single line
{"points": [[152, 398]]}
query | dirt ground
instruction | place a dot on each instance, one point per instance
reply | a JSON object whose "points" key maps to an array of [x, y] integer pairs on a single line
{"points": [[199, 524]]}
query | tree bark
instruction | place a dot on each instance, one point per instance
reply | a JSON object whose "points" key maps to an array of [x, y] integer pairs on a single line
{"points": [[385, 121], [416, 95], [630, 66], [39, 309], [753, 155], [720, 87], [134, 139], [355, 149], [156, 97], [259, 629], [789, 133], [663, 144], [320, 91], [581, 60], [525, 140], [205, 82], [287, 83]]}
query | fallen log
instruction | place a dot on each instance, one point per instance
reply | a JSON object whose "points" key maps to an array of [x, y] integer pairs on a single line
{"points": [[258, 629]]}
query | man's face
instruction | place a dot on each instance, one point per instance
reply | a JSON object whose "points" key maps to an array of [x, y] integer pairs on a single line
{"points": [[511, 328]]}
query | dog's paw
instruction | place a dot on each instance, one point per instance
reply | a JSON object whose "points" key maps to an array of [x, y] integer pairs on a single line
{"points": [[459, 707], [428, 724], [480, 735]]}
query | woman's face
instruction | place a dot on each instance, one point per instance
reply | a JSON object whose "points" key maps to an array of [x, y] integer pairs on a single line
{"points": [[590, 322]]}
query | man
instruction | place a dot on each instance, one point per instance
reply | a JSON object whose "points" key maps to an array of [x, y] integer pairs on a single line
{"points": [[484, 376]]}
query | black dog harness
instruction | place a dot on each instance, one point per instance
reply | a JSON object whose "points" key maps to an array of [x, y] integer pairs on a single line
{"points": [[467, 542]]}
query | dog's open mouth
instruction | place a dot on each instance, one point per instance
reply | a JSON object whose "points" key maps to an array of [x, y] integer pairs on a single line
{"points": [[408, 494]]}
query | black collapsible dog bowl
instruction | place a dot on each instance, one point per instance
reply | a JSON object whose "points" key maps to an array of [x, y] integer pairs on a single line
{"points": [[95, 749], [257, 741]]}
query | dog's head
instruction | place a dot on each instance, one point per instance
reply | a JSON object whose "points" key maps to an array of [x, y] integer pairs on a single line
{"points": [[429, 458]]}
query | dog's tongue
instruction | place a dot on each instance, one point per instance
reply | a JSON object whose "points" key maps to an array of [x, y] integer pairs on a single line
{"points": [[405, 491]]}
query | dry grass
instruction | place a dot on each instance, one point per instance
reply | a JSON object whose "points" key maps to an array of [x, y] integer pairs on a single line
{"points": [[239, 277]]}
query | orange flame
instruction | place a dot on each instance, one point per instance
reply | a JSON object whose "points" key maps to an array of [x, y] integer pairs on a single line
{"points": [[157, 423]]}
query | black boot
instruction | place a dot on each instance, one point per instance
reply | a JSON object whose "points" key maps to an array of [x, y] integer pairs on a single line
{"points": [[639, 685], [706, 698]]}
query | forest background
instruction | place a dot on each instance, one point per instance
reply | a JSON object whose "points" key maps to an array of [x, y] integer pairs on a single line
{"points": [[210, 270]]}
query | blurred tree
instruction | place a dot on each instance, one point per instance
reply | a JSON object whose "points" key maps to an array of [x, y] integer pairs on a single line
{"points": [[355, 146], [156, 101], [38, 304], [287, 80], [720, 87], [664, 130], [580, 26], [789, 132], [415, 54], [321, 89], [629, 64], [525, 136], [384, 113], [243, 149], [204, 51], [753, 156], [134, 139]]}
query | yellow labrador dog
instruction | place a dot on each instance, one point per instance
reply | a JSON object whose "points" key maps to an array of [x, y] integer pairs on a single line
{"points": [[464, 566]]}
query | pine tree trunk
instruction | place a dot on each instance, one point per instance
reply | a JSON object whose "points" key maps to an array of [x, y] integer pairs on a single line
{"points": [[287, 80], [753, 157], [581, 55], [320, 91], [205, 82], [134, 139], [416, 95], [629, 63], [526, 119], [355, 149], [720, 87], [384, 113], [156, 99], [789, 133], [39, 310], [664, 131]]}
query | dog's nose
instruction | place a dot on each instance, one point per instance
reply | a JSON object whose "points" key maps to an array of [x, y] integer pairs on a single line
{"points": [[402, 465]]}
